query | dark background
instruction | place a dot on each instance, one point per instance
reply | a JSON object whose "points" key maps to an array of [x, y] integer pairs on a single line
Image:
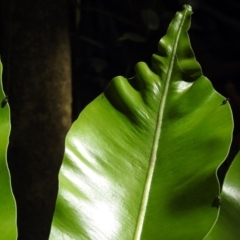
{"points": [[106, 39]]}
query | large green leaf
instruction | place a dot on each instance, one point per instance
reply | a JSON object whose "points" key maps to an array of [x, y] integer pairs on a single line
{"points": [[227, 226], [8, 230], [140, 161]]}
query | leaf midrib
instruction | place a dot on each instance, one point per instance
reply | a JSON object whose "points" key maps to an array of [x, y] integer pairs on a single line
{"points": [[153, 156]]}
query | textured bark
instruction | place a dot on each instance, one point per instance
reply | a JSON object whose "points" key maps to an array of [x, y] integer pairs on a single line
{"points": [[40, 101]]}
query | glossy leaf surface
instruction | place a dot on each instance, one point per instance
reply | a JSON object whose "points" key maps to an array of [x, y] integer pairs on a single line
{"points": [[227, 226], [7, 202], [140, 161]]}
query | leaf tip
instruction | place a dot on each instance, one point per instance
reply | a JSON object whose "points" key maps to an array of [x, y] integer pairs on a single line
{"points": [[187, 7]]}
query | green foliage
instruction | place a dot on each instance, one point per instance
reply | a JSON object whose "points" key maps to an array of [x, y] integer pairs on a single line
{"points": [[141, 160], [8, 228], [227, 226]]}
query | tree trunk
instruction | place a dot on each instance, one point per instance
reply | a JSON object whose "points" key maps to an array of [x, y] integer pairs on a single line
{"points": [[40, 102]]}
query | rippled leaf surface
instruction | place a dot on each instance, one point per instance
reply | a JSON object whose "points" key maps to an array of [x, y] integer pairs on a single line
{"points": [[7, 202], [141, 160], [227, 226]]}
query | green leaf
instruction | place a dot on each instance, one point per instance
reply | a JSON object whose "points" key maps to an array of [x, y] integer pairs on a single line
{"points": [[227, 225], [141, 160], [8, 230]]}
